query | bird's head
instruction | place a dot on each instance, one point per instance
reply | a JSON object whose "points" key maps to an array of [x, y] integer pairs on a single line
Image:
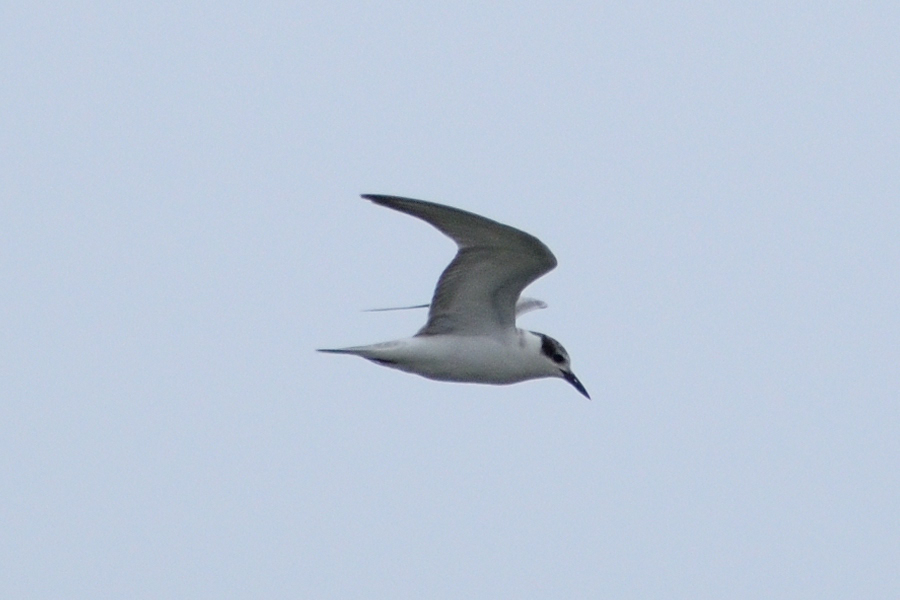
{"points": [[554, 352]]}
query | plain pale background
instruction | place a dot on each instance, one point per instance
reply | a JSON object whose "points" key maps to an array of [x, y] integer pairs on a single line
{"points": [[181, 227]]}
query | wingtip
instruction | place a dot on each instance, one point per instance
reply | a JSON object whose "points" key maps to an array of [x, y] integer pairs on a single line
{"points": [[389, 199], [396, 308], [379, 199]]}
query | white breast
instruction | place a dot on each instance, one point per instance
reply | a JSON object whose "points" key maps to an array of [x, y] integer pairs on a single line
{"points": [[477, 359]]}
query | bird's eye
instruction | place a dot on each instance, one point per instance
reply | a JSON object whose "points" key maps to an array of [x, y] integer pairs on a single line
{"points": [[557, 357]]}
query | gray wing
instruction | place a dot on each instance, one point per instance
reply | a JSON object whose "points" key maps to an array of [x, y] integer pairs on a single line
{"points": [[477, 292], [523, 305]]}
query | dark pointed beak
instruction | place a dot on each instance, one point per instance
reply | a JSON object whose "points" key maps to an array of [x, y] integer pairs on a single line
{"points": [[570, 377]]}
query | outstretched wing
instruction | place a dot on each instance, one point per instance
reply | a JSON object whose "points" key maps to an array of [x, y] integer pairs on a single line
{"points": [[523, 305], [477, 292]]}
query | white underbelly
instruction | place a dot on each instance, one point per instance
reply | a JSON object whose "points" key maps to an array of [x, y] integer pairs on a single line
{"points": [[473, 359]]}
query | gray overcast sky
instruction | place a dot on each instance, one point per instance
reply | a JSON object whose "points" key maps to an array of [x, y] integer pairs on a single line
{"points": [[180, 228]]}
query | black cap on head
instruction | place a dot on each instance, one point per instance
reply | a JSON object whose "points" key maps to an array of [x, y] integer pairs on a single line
{"points": [[555, 352]]}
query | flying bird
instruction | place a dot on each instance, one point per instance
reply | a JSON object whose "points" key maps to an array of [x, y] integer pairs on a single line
{"points": [[471, 334]]}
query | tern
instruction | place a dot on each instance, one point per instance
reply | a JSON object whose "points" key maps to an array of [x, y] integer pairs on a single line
{"points": [[471, 335]]}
